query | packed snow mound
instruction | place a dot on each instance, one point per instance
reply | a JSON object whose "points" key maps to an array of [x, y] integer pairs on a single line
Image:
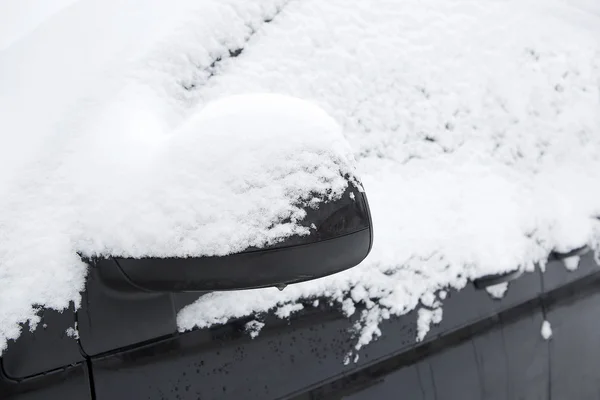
{"points": [[221, 183]]}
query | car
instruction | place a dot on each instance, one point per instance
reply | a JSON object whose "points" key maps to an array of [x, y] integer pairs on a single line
{"points": [[183, 199]]}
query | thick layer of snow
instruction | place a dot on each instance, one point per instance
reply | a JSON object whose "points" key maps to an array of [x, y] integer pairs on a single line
{"points": [[475, 124], [477, 129], [219, 184], [19, 17], [114, 168]]}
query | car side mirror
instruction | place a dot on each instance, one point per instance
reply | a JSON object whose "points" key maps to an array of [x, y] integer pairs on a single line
{"points": [[274, 162], [340, 238]]}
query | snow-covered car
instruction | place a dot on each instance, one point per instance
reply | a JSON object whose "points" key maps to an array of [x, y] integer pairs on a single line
{"points": [[183, 210]]}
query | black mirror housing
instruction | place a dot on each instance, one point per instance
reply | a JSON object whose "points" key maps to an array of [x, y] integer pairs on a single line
{"points": [[341, 236]]}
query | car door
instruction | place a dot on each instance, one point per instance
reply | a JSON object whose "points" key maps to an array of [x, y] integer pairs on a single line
{"points": [[300, 357], [512, 359], [128, 346], [46, 362]]}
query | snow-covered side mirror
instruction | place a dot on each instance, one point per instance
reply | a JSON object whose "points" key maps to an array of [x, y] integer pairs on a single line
{"points": [[254, 191], [341, 238]]}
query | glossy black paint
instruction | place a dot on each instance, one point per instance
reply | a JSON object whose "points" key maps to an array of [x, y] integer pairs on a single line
{"points": [[71, 383], [508, 359], [110, 320], [254, 269], [483, 349], [575, 345], [226, 363], [45, 363], [46, 348], [508, 362], [304, 354]]}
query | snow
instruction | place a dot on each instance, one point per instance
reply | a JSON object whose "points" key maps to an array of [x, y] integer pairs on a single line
{"points": [[474, 124], [476, 129], [233, 172], [347, 358], [22, 16], [72, 332], [571, 263], [546, 330], [429, 300], [254, 327], [497, 291], [288, 309]]}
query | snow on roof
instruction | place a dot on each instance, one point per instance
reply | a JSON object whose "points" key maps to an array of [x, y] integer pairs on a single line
{"points": [[475, 126]]}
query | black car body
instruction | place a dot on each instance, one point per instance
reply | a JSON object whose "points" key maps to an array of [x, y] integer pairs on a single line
{"points": [[484, 348]]}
